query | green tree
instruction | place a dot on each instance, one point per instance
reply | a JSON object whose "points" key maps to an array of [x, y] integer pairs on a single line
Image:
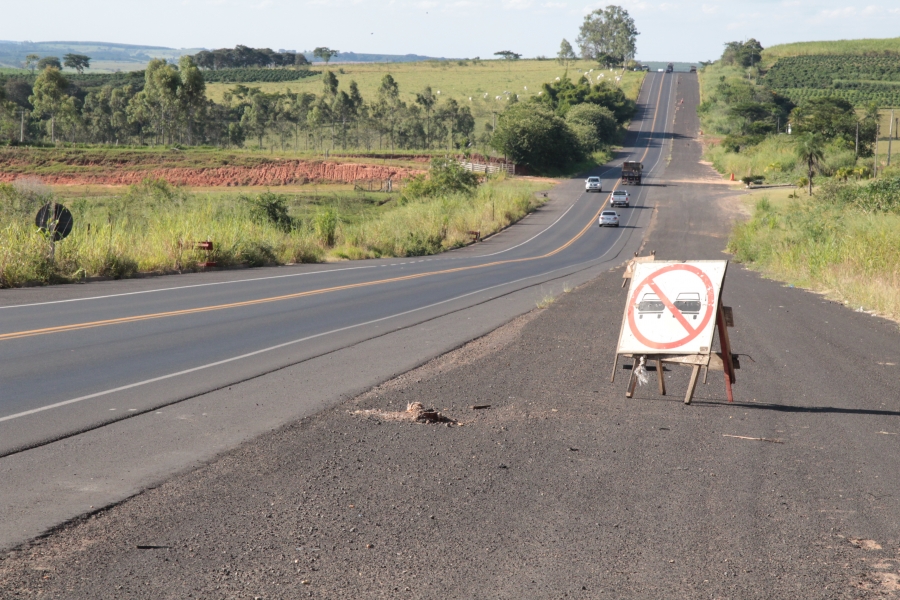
{"points": [[426, 99], [50, 99], [31, 62], [79, 62], [508, 55], [594, 125], [565, 54], [388, 106], [810, 149], [530, 134], [49, 61], [324, 53], [608, 34], [191, 94]]}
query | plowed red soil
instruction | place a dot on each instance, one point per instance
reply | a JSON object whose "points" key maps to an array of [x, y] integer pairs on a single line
{"points": [[281, 172]]}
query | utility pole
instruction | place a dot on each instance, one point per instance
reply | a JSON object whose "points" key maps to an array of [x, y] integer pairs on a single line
{"points": [[22, 127], [875, 166], [890, 137], [856, 148]]}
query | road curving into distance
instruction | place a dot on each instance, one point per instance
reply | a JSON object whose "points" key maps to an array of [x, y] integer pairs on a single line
{"points": [[83, 352], [81, 364]]}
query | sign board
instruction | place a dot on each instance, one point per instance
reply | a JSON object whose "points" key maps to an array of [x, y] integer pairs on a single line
{"points": [[671, 307], [54, 219]]}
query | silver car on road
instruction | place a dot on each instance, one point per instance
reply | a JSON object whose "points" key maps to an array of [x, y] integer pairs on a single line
{"points": [[609, 218]]}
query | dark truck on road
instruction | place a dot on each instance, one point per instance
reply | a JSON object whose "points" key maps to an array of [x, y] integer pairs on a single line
{"points": [[631, 172]]}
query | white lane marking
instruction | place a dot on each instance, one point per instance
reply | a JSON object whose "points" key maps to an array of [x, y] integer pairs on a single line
{"points": [[187, 287], [284, 345]]}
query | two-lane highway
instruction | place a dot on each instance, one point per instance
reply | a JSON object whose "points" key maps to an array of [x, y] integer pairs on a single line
{"points": [[63, 363]]}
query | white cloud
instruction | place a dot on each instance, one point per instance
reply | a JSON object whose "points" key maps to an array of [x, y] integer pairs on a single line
{"points": [[516, 4]]}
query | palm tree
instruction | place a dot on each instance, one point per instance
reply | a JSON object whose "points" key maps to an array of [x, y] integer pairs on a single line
{"points": [[811, 150]]}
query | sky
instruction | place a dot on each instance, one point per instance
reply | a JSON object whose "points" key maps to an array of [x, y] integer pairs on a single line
{"points": [[674, 30]]}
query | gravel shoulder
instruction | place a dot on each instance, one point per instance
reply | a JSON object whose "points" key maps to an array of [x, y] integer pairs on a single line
{"points": [[559, 486]]}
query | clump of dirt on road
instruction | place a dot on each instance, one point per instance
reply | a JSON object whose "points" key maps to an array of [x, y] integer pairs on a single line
{"points": [[415, 413]]}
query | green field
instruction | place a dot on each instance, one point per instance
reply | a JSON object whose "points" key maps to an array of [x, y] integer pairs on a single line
{"points": [[858, 47], [473, 84]]}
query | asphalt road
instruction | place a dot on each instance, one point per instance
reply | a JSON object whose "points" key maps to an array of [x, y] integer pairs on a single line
{"points": [[560, 487], [76, 359]]}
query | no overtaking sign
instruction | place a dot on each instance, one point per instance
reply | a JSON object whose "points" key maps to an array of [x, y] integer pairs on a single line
{"points": [[672, 307]]}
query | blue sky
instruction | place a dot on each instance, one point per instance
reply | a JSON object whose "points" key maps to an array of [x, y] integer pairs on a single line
{"points": [[680, 30]]}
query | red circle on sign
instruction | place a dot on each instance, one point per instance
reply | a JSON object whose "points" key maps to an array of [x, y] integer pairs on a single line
{"points": [[710, 298]]}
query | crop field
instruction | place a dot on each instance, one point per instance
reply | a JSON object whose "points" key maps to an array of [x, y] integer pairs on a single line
{"points": [[859, 79], [857, 47]]}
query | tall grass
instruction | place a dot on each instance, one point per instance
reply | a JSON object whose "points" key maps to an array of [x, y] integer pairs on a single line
{"points": [[148, 231], [850, 255]]}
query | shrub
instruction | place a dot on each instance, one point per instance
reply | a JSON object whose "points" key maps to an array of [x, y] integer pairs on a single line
{"points": [[445, 177], [530, 134], [595, 126], [326, 226], [269, 208]]}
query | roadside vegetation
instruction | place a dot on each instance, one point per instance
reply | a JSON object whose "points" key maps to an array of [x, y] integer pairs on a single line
{"points": [[152, 227], [836, 226], [844, 241]]}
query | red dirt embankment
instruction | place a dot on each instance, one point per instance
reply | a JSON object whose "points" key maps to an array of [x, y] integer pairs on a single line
{"points": [[283, 172]]}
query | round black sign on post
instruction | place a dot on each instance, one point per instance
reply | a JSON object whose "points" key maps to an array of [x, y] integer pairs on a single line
{"points": [[56, 219]]}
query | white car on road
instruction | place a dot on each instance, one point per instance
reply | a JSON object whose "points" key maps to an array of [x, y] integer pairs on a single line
{"points": [[620, 198], [609, 218], [593, 184]]}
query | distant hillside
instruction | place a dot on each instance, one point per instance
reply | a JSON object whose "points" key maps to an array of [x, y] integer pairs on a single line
{"points": [[110, 57], [105, 56], [866, 46]]}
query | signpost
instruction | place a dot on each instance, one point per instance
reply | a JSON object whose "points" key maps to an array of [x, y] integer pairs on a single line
{"points": [[671, 316]]}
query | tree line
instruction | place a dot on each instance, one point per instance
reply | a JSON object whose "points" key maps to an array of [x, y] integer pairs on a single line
{"points": [[170, 106], [244, 56]]}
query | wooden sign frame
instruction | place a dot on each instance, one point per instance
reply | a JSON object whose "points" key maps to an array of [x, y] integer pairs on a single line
{"points": [[723, 361]]}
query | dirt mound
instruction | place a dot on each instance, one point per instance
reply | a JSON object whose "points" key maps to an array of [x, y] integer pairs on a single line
{"points": [[283, 172]]}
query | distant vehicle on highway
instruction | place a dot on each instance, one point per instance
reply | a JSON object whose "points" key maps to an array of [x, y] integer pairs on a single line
{"points": [[693, 68], [631, 172], [661, 70], [593, 184], [670, 68], [620, 198], [609, 218]]}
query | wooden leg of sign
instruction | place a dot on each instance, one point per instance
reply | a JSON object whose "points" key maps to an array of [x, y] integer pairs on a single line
{"points": [[659, 377], [695, 375], [632, 383], [726, 354], [612, 377], [705, 375]]}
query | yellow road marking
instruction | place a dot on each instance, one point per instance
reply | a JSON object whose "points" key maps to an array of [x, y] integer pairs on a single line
{"points": [[202, 309]]}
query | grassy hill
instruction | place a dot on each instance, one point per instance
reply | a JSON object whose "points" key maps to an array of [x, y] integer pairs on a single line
{"points": [[476, 84], [857, 47]]}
